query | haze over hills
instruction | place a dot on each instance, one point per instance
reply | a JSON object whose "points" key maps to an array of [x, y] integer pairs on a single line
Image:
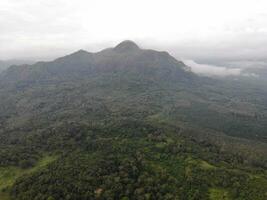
{"points": [[127, 63], [127, 56], [4, 64], [122, 123]]}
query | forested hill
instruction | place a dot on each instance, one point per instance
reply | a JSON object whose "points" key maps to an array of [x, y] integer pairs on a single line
{"points": [[129, 123], [127, 57], [4, 64], [232, 108]]}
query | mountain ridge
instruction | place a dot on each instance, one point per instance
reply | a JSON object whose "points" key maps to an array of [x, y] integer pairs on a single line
{"points": [[126, 55], [128, 123], [148, 71]]}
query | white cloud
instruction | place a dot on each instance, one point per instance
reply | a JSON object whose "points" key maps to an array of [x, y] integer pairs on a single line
{"points": [[248, 64], [212, 70], [47, 27]]}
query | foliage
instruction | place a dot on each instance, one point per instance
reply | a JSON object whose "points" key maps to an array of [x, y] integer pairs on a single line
{"points": [[129, 125]]}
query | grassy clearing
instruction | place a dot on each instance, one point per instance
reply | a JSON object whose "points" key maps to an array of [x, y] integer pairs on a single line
{"points": [[201, 163], [206, 165], [8, 175], [218, 194]]}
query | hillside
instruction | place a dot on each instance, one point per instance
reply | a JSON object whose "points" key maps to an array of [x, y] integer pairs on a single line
{"points": [[130, 123], [4, 64]]}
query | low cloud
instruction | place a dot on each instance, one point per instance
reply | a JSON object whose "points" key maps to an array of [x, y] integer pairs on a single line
{"points": [[248, 64], [212, 70]]}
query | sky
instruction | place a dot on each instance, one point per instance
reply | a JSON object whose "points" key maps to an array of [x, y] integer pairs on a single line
{"points": [[217, 33]]}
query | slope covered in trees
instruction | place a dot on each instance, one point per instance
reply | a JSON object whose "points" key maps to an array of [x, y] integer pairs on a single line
{"points": [[129, 123]]}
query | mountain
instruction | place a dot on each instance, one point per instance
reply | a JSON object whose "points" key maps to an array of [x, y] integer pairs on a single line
{"points": [[4, 64], [129, 123], [126, 56]]}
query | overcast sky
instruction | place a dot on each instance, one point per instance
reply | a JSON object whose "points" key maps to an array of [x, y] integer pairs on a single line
{"points": [[199, 30]]}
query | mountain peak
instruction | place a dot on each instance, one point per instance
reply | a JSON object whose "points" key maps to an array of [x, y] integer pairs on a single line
{"points": [[126, 45], [81, 51]]}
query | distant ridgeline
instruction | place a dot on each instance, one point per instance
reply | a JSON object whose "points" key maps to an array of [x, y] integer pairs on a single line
{"points": [[129, 123]]}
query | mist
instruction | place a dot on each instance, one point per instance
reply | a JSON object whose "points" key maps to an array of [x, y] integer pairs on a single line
{"points": [[214, 43]]}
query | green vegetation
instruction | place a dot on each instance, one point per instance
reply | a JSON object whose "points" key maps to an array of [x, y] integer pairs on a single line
{"points": [[218, 194], [131, 125], [8, 175], [137, 165]]}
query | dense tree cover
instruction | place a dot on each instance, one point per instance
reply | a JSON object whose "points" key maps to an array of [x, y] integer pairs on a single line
{"points": [[130, 125], [158, 164]]}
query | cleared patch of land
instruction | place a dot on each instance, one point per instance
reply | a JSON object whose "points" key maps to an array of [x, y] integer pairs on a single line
{"points": [[8, 175]]}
